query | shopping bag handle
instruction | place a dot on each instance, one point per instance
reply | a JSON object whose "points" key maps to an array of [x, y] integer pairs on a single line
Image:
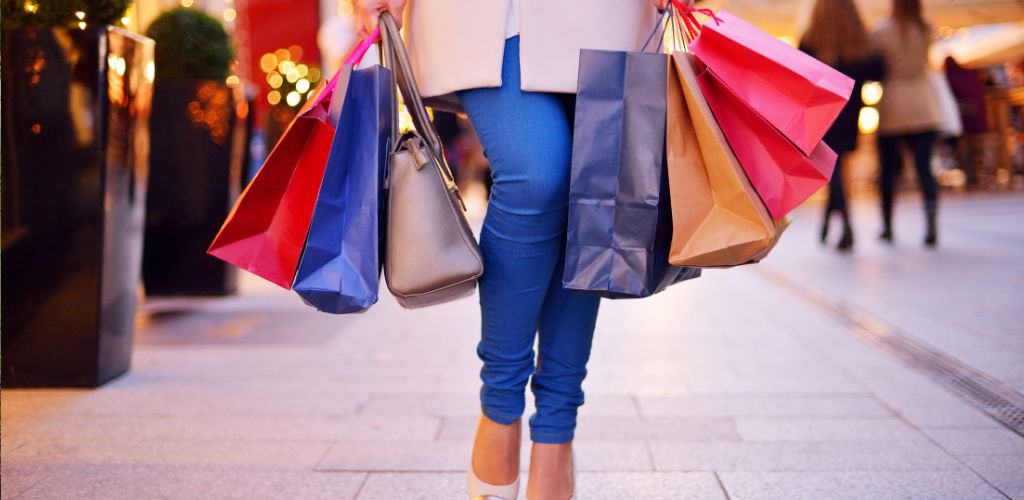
{"points": [[326, 90], [688, 15], [362, 47]]}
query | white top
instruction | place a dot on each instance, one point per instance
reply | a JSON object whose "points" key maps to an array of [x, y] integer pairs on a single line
{"points": [[512, 23]]}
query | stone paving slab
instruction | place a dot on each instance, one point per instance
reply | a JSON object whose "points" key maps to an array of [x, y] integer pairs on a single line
{"points": [[617, 485], [824, 430], [134, 482], [979, 442], [229, 427], [802, 456], [756, 405], [254, 455], [1002, 471], [902, 485]]}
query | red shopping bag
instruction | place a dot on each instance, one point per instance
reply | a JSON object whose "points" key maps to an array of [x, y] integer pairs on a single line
{"points": [[794, 92], [266, 229], [781, 174]]}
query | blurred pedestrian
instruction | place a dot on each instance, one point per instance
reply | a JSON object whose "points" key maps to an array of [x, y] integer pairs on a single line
{"points": [[836, 36], [518, 94], [970, 97], [908, 112]]}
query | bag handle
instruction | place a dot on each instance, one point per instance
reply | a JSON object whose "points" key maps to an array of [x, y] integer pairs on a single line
{"points": [[688, 15], [399, 59], [362, 47], [326, 89], [407, 85]]}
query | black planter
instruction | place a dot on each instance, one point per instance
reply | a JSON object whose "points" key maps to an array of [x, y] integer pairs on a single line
{"points": [[199, 141], [76, 106]]}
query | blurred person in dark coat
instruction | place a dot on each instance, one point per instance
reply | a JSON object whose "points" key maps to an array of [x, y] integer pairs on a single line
{"points": [[970, 98], [837, 36]]}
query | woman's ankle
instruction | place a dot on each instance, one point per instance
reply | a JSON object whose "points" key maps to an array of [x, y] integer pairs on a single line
{"points": [[551, 471], [496, 451]]}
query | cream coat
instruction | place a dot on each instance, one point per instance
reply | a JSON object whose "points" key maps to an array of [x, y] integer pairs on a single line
{"points": [[458, 44], [908, 104]]}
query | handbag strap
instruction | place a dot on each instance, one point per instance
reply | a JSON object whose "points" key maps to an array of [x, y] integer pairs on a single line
{"points": [[407, 84], [387, 60]]}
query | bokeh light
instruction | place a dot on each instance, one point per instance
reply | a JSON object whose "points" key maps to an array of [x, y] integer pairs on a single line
{"points": [[868, 120], [871, 93]]}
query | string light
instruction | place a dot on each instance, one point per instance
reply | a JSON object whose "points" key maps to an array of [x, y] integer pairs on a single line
{"points": [[293, 98], [81, 25], [268, 62], [302, 86], [274, 97], [229, 15], [275, 79], [232, 80], [31, 7], [186, 3], [80, 15]]}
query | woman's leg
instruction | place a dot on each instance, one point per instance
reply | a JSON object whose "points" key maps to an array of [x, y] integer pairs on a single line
{"points": [[921, 146], [890, 165], [527, 139], [566, 331], [832, 200], [837, 201]]}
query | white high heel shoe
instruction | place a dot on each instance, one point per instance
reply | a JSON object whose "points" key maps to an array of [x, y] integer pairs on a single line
{"points": [[479, 490]]}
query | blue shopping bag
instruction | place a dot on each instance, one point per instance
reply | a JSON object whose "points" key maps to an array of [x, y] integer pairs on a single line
{"points": [[620, 220], [340, 267]]}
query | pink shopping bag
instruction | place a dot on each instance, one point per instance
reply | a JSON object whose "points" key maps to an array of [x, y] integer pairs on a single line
{"points": [[797, 94], [781, 174]]}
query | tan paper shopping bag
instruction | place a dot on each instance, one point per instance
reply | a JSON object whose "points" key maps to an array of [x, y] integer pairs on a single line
{"points": [[718, 219]]}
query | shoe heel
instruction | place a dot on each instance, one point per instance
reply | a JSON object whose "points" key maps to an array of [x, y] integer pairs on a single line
{"points": [[479, 490]]}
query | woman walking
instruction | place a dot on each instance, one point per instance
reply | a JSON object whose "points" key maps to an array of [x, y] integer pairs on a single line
{"points": [[837, 36], [511, 65], [908, 115]]}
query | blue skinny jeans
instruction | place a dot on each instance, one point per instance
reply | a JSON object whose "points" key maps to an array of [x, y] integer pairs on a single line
{"points": [[527, 137]]}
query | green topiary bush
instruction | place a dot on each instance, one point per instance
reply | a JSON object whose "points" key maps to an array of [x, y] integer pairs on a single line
{"points": [[105, 11], [190, 45], [61, 13]]}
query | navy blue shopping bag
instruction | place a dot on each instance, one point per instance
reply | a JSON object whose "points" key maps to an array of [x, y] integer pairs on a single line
{"points": [[340, 267], [620, 220]]}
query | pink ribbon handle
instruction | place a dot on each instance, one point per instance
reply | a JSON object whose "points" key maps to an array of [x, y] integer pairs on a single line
{"points": [[360, 49], [325, 90]]}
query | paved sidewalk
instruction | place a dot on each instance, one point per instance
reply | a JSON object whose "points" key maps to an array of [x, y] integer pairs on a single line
{"points": [[731, 386]]}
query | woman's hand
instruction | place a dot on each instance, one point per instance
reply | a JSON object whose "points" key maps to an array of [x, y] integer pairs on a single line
{"points": [[367, 13]]}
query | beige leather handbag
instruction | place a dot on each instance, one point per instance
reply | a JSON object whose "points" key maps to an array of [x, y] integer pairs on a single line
{"points": [[431, 255]]}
